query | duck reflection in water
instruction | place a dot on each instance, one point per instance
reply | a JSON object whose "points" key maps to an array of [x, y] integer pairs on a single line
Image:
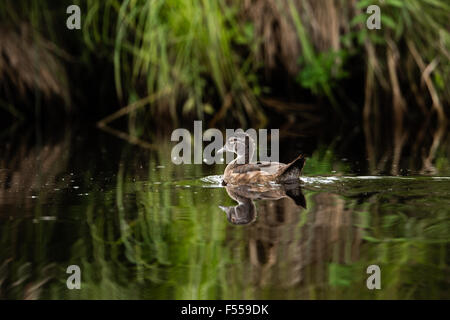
{"points": [[245, 212]]}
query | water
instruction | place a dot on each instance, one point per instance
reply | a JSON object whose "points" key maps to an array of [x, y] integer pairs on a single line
{"points": [[140, 227]]}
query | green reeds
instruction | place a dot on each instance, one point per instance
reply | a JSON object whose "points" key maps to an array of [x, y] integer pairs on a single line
{"points": [[409, 58], [186, 47], [207, 56]]}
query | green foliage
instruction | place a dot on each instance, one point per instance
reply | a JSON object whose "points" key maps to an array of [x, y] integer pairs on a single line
{"points": [[340, 275], [317, 73], [198, 58], [182, 49], [423, 24], [323, 162], [325, 72]]}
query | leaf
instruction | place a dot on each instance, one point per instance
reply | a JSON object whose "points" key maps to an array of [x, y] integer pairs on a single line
{"points": [[362, 36], [208, 109], [438, 80], [188, 105], [340, 275], [395, 3], [370, 239], [364, 4], [388, 21], [359, 19]]}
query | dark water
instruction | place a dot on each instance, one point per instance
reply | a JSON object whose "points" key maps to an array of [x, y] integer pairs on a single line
{"points": [[140, 227]]}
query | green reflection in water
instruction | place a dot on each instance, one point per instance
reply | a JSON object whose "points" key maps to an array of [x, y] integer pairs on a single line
{"points": [[157, 232]]}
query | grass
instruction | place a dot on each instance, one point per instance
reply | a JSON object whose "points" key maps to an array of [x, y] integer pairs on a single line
{"points": [[210, 60], [186, 47], [416, 47]]}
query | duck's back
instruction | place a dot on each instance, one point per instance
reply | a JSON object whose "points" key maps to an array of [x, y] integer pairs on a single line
{"points": [[263, 172]]}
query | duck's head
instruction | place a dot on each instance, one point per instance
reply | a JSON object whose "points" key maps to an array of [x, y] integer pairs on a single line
{"points": [[242, 144]]}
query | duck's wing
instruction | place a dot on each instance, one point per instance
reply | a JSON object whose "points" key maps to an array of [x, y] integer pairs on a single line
{"points": [[270, 167], [265, 167], [245, 168]]}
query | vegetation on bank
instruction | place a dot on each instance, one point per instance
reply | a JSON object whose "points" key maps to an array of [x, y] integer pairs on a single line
{"points": [[208, 59]]}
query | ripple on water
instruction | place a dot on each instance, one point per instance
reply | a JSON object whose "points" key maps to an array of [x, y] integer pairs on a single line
{"points": [[333, 179], [213, 181], [319, 180]]}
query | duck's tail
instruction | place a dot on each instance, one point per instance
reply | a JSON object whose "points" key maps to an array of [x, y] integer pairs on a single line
{"points": [[293, 170]]}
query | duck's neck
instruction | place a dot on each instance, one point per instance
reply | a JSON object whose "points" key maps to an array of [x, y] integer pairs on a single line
{"points": [[242, 159], [246, 155], [233, 163]]}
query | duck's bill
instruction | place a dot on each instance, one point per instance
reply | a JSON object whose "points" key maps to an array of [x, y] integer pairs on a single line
{"points": [[221, 150]]}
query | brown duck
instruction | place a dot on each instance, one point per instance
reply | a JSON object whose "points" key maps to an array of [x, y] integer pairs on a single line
{"points": [[241, 171]]}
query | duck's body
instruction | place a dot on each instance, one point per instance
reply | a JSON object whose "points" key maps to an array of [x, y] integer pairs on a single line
{"points": [[263, 172], [241, 171]]}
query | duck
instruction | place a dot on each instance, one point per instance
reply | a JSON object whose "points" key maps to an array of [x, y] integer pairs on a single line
{"points": [[241, 171], [245, 211]]}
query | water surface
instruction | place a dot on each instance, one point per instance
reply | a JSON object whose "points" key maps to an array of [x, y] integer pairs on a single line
{"points": [[140, 227]]}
